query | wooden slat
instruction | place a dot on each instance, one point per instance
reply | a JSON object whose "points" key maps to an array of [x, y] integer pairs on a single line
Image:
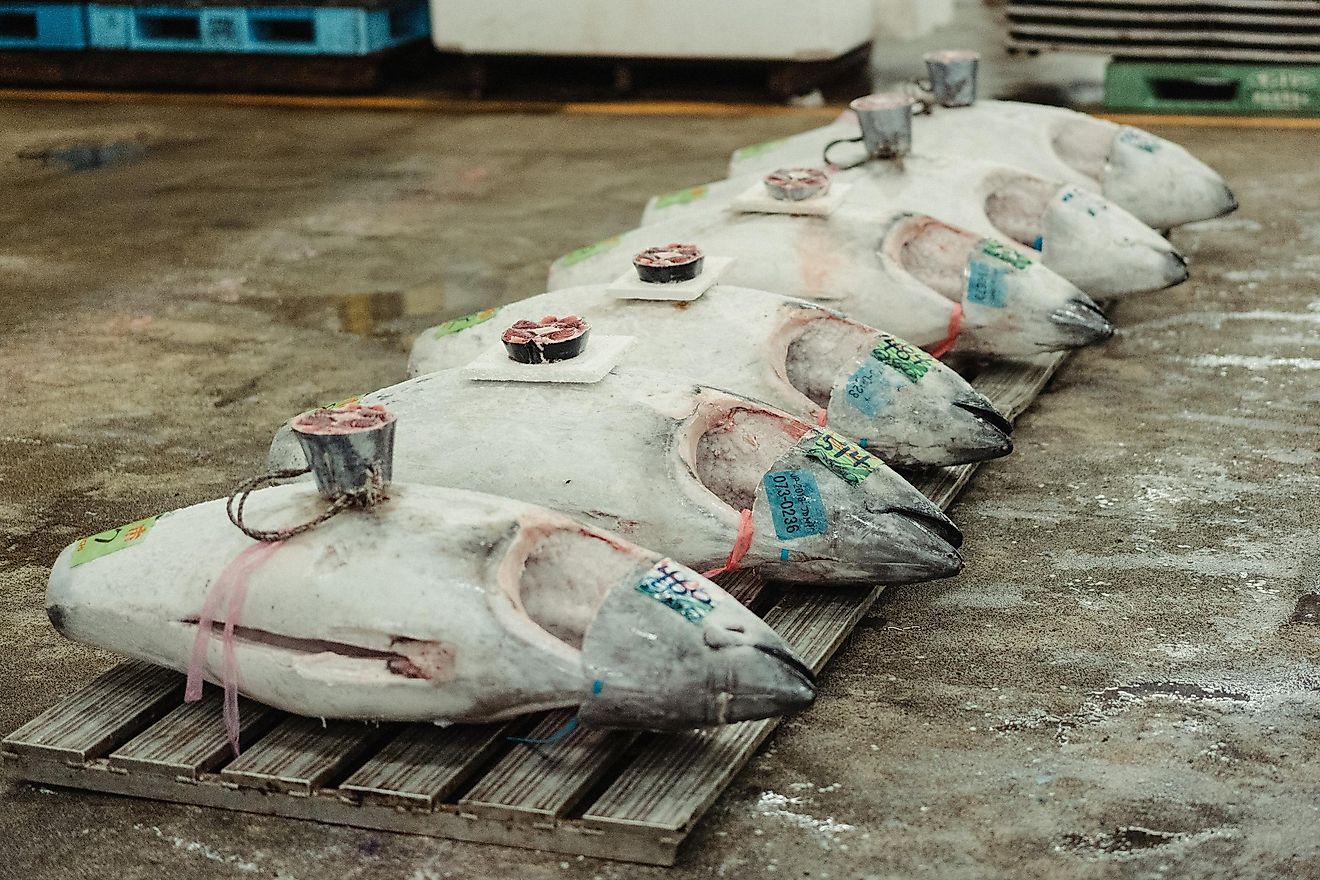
{"points": [[744, 584], [1165, 52], [675, 779], [546, 781], [191, 739], [300, 754], [112, 709], [425, 764], [1172, 36], [1080, 12]]}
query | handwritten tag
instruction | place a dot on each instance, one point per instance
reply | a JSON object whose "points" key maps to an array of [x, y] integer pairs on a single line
{"points": [[869, 389], [985, 283], [111, 541], [677, 588], [846, 459], [458, 325], [795, 504], [909, 360]]}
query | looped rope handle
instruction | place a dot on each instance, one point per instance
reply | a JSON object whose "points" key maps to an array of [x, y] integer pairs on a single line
{"points": [[239, 497], [825, 155], [922, 94]]}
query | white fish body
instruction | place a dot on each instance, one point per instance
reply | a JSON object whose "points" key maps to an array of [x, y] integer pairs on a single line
{"points": [[902, 272], [669, 464], [1158, 181], [435, 605], [1093, 243], [902, 405]]}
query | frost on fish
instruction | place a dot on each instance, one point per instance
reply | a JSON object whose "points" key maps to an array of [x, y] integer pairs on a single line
{"points": [[905, 273], [1158, 181], [436, 605], [668, 463], [1107, 252], [799, 357]]}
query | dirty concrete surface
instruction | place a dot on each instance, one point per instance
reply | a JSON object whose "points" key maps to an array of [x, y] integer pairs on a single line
{"points": [[1122, 684]]}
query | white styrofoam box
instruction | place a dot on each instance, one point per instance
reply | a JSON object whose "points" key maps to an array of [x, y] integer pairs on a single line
{"points": [[779, 30], [629, 286], [601, 356], [910, 19]]}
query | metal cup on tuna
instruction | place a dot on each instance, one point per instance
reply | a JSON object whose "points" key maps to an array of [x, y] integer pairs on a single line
{"points": [[797, 184], [670, 263], [546, 341]]}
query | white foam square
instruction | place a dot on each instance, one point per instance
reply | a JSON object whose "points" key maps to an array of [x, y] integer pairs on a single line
{"points": [[755, 200], [629, 286], [602, 355]]}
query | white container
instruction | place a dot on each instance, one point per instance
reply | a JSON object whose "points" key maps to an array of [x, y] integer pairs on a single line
{"points": [[774, 30]]}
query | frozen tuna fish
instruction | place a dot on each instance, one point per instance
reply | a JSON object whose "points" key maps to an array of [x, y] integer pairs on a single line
{"points": [[1156, 180], [434, 605], [900, 403], [1096, 245], [702, 475], [932, 284]]}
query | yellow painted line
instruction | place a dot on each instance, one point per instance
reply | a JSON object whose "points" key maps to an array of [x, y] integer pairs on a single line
{"points": [[433, 104], [1147, 119]]}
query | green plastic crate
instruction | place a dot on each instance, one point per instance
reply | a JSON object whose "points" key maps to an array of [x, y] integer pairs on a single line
{"points": [[1258, 89]]}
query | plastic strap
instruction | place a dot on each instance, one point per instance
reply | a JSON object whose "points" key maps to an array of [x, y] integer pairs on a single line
{"points": [[823, 417], [569, 727], [232, 583], [955, 327], [741, 545]]}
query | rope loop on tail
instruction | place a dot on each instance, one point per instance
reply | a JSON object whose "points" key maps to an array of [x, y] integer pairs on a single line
{"points": [[946, 345], [238, 498]]}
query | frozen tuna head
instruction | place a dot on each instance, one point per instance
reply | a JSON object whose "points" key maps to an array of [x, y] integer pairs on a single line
{"points": [[823, 509], [1011, 304], [674, 651], [1093, 243], [805, 359], [475, 609], [891, 397], [1158, 181]]}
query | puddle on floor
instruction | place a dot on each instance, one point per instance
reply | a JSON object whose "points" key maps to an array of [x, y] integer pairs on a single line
{"points": [[87, 156], [382, 313]]}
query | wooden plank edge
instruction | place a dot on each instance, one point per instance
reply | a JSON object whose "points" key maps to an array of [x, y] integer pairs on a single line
{"points": [[565, 837]]}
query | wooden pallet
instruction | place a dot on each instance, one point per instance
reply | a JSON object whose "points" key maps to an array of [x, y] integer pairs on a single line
{"points": [[609, 794], [1222, 30]]}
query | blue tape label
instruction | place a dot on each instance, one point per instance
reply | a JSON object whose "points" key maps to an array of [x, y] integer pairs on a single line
{"points": [[985, 283], [678, 588], [870, 389], [1142, 140], [795, 504]]}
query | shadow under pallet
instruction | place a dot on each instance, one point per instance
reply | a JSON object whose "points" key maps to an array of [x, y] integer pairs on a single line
{"points": [[609, 794]]}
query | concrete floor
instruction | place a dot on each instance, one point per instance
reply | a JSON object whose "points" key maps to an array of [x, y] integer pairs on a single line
{"points": [[1122, 684]]}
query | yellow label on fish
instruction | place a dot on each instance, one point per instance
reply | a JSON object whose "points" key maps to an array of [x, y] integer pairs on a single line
{"points": [[111, 541], [583, 253], [680, 197]]}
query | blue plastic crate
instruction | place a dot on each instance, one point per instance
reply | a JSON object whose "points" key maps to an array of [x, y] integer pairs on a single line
{"points": [[279, 30], [42, 26]]}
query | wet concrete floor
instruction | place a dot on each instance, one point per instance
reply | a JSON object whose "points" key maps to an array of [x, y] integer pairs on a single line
{"points": [[1122, 684]]}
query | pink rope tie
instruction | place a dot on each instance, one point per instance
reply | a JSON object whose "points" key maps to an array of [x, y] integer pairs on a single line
{"points": [[741, 545], [955, 327], [232, 584], [822, 417]]}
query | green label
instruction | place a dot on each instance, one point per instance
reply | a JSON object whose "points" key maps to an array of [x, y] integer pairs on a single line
{"points": [[583, 253], [112, 541], [907, 359], [680, 197], [338, 403], [1002, 252], [846, 459], [756, 149], [460, 324]]}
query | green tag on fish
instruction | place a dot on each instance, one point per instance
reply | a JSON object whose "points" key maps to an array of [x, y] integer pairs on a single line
{"points": [[677, 588], [111, 541], [904, 357], [756, 149], [460, 324], [1004, 253], [583, 253], [681, 197], [850, 462]]}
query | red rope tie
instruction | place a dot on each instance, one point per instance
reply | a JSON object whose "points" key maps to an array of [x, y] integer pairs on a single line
{"points": [[955, 326], [741, 545], [822, 417]]}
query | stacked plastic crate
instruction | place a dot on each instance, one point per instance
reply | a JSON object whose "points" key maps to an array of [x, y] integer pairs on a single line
{"points": [[1229, 56], [37, 39]]}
